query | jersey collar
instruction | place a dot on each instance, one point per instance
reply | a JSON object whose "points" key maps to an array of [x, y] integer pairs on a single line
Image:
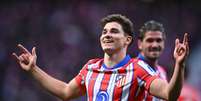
{"points": [[120, 64]]}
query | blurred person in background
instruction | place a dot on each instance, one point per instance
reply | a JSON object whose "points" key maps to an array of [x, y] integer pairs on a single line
{"points": [[114, 77], [151, 43], [189, 92]]}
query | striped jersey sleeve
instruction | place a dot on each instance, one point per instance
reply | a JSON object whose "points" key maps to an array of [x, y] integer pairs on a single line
{"points": [[80, 78], [145, 74]]}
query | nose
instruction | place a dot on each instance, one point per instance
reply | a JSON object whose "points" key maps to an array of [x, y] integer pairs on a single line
{"points": [[107, 35], [154, 44]]}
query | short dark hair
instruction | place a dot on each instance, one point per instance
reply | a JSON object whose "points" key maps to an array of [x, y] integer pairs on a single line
{"points": [[151, 26], [126, 23]]}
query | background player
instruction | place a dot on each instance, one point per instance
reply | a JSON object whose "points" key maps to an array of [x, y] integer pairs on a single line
{"points": [[151, 43]]}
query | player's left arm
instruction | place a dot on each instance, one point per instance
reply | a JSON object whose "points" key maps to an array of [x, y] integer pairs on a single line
{"points": [[171, 91]]}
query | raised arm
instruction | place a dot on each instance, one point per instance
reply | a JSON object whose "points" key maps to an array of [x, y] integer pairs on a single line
{"points": [[63, 90], [171, 91]]}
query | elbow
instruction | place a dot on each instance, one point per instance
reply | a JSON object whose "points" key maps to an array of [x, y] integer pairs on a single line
{"points": [[64, 98]]}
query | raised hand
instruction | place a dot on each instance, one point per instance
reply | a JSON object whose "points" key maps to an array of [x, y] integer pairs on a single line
{"points": [[181, 50], [26, 59]]}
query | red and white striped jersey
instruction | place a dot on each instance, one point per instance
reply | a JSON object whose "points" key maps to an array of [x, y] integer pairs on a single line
{"points": [[161, 73], [121, 83]]}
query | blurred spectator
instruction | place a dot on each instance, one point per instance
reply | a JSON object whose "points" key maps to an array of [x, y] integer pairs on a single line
{"points": [[189, 92]]}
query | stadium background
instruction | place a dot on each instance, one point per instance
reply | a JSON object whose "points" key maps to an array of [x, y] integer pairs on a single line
{"points": [[66, 35]]}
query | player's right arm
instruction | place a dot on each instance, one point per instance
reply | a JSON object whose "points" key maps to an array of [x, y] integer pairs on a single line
{"points": [[63, 90]]}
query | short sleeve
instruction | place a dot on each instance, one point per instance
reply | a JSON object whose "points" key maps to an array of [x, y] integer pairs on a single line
{"points": [[145, 74], [80, 79]]}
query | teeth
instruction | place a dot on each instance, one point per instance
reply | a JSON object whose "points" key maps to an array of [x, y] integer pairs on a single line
{"points": [[108, 41]]}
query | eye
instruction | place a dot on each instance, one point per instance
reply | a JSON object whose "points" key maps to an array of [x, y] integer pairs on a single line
{"points": [[104, 31], [159, 40], [114, 30], [150, 40]]}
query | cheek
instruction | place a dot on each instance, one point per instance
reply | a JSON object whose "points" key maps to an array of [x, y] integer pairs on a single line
{"points": [[162, 48], [162, 45], [100, 39], [122, 42], [146, 46], [101, 42]]}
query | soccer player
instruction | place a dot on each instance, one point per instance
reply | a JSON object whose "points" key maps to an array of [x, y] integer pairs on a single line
{"points": [[151, 43], [114, 77]]}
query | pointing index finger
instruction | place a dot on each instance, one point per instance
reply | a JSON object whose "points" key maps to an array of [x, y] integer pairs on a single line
{"points": [[185, 40]]}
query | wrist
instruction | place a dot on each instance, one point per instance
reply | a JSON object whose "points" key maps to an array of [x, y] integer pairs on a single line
{"points": [[33, 68], [180, 64]]}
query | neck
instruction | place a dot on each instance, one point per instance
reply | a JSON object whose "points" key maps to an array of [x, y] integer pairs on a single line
{"points": [[152, 63], [111, 60]]}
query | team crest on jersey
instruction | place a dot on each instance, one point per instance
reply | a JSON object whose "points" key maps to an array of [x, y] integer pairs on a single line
{"points": [[120, 80], [102, 96]]}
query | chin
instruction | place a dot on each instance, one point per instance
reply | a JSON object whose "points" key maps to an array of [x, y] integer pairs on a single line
{"points": [[108, 50], [152, 58], [155, 57]]}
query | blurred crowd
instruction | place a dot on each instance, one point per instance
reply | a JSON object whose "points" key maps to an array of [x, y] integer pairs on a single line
{"points": [[66, 35]]}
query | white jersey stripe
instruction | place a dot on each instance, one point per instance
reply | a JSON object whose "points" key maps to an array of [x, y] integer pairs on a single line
{"points": [[111, 85], [146, 67], [126, 88], [97, 85], [89, 74]]}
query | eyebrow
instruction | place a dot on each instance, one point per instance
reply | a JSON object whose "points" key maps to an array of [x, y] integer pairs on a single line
{"points": [[115, 29]]}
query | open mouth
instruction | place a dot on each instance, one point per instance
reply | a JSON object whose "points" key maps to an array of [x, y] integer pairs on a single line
{"points": [[108, 41]]}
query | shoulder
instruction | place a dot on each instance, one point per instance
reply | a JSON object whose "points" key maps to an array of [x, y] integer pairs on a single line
{"points": [[143, 67], [93, 63]]}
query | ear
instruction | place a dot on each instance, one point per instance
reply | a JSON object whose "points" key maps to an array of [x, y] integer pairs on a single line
{"points": [[139, 43], [129, 40]]}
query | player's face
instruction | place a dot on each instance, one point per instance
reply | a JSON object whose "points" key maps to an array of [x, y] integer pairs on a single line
{"points": [[152, 45], [113, 38]]}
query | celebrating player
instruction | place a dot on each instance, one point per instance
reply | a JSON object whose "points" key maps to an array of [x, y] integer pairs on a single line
{"points": [[115, 76]]}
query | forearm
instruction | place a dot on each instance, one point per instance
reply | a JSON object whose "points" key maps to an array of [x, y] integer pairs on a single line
{"points": [[61, 89], [51, 84], [169, 91], [175, 85]]}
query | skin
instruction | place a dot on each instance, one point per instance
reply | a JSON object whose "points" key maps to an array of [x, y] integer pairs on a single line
{"points": [[114, 42], [171, 91], [152, 46], [27, 61]]}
